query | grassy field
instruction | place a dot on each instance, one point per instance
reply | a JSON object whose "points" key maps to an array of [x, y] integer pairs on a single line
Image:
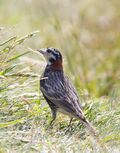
{"points": [[88, 34]]}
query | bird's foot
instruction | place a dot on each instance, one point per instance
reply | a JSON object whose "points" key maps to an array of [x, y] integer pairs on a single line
{"points": [[69, 127], [50, 125]]}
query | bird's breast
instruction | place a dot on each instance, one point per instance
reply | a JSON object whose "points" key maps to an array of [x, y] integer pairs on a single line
{"points": [[52, 81]]}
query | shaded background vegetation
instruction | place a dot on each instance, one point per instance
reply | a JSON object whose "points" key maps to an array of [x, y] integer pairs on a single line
{"points": [[88, 35]]}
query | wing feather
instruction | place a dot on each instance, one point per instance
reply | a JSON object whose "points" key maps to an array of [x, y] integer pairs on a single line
{"points": [[59, 90]]}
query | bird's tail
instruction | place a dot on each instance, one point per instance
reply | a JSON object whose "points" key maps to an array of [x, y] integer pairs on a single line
{"points": [[95, 134], [90, 127]]}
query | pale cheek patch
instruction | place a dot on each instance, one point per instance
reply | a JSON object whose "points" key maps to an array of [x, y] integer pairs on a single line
{"points": [[52, 56]]}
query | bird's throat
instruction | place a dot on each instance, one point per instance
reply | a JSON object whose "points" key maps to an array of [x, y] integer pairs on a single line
{"points": [[57, 65]]}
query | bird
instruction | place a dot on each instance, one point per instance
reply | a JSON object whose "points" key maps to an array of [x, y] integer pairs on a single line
{"points": [[58, 91]]}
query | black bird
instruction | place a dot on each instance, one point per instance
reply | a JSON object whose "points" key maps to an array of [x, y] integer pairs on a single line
{"points": [[58, 91]]}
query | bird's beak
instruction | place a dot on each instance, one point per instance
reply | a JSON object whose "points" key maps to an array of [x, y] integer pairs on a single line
{"points": [[42, 51]]}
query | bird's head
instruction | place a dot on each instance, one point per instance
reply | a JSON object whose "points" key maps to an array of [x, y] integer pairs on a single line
{"points": [[53, 57]]}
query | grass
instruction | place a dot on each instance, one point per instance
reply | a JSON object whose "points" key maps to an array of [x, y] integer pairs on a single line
{"points": [[87, 33]]}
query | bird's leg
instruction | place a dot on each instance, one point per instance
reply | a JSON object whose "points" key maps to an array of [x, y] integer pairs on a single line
{"points": [[54, 112], [70, 121], [69, 125]]}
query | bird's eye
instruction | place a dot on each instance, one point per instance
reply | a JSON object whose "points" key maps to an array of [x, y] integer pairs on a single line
{"points": [[48, 51]]}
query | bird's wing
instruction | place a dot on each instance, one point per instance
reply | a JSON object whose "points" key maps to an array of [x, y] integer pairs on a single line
{"points": [[59, 90]]}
